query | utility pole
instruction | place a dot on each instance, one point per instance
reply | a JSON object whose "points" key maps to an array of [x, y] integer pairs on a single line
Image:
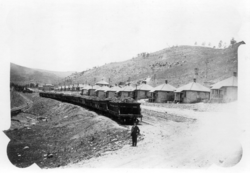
{"points": [[109, 81]]}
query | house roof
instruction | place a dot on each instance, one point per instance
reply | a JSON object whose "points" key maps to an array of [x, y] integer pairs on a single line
{"points": [[95, 87], [127, 88], [86, 87], [144, 87], [232, 81], [48, 85], [104, 88], [115, 88], [164, 87], [193, 86], [81, 85], [102, 82]]}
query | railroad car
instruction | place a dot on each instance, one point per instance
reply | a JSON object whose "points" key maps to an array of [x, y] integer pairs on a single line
{"points": [[124, 112]]}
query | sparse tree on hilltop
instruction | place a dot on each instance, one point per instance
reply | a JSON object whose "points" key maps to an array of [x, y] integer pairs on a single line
{"points": [[195, 43], [233, 41], [220, 44], [209, 44]]}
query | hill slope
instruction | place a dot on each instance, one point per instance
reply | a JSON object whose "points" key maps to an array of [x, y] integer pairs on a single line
{"points": [[23, 75], [175, 64]]}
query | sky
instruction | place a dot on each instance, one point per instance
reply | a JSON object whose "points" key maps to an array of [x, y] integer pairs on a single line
{"points": [[78, 35]]}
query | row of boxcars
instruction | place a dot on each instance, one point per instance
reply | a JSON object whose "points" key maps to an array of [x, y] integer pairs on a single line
{"points": [[124, 112]]}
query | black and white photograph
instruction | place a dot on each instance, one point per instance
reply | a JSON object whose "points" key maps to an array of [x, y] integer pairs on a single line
{"points": [[127, 84]]}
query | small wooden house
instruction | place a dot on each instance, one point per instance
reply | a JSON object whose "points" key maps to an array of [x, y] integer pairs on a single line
{"points": [[66, 88], [127, 91], [225, 90], [48, 87], [56, 89], [80, 87], [70, 87], [75, 87], [40, 86], [85, 89], [163, 93], [63, 88], [192, 93], [112, 92], [102, 83], [101, 92], [91, 91], [142, 91]]}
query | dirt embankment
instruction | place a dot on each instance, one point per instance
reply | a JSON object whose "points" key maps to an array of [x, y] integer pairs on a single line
{"points": [[16, 100], [53, 134]]}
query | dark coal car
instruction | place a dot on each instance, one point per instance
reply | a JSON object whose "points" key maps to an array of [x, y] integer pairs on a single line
{"points": [[125, 112]]}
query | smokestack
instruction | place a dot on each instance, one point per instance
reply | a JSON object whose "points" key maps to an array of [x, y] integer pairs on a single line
{"points": [[166, 81], [235, 74], [194, 79]]}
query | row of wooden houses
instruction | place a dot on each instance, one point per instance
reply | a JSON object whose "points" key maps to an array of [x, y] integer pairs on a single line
{"points": [[78, 87], [223, 91]]}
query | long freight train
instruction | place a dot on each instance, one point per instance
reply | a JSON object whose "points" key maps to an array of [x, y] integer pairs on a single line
{"points": [[124, 112]]}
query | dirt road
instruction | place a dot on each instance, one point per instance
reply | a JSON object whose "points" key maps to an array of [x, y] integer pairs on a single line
{"points": [[196, 140]]}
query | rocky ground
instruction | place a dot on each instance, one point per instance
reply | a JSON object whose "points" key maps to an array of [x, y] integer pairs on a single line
{"points": [[53, 134], [56, 134]]}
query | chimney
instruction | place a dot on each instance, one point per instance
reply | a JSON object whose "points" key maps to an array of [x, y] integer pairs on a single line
{"points": [[194, 79], [166, 81], [235, 74]]}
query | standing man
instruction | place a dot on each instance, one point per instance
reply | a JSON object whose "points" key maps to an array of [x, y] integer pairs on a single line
{"points": [[135, 131]]}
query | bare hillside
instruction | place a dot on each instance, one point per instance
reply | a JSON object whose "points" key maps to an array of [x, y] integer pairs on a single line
{"points": [[23, 75], [175, 64]]}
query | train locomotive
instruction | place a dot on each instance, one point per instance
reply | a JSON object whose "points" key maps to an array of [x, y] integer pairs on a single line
{"points": [[123, 112]]}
